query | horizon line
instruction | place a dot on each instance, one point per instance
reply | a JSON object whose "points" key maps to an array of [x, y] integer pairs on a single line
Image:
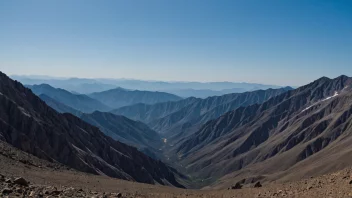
{"points": [[50, 77]]}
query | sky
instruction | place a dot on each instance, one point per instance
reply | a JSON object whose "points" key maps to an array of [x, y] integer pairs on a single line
{"points": [[281, 42]]}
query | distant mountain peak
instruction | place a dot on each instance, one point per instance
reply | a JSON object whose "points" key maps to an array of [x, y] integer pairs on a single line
{"points": [[80, 102], [322, 79], [120, 97]]}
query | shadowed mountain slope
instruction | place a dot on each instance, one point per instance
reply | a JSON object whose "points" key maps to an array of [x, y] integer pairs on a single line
{"points": [[125, 130], [119, 128], [271, 138], [120, 97], [59, 107], [82, 102], [27, 123]]}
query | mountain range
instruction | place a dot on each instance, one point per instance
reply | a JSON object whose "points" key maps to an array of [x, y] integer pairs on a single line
{"points": [[183, 89], [27, 123], [120, 97], [102, 101], [181, 117], [204, 93], [280, 135], [79, 102]]}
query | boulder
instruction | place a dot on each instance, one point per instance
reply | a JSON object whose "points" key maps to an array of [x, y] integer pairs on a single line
{"points": [[257, 185], [238, 185], [20, 181], [6, 191]]}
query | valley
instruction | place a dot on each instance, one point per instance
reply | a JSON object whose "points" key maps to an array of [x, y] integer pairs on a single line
{"points": [[212, 144], [176, 99]]}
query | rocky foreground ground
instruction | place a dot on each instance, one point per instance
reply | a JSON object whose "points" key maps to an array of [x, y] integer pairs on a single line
{"points": [[22, 175]]}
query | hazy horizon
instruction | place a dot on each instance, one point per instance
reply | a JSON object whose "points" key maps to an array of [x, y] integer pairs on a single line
{"points": [[268, 42], [48, 77], [152, 80]]}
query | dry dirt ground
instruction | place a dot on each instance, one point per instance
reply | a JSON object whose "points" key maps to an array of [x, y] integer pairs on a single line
{"points": [[44, 179]]}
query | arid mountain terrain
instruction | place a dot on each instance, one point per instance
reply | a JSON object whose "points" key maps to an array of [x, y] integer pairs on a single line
{"points": [[24, 175], [176, 99], [269, 141], [266, 143]]}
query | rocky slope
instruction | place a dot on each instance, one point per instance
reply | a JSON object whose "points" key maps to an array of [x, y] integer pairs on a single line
{"points": [[27, 123], [298, 127], [120, 97], [23, 175], [80, 102]]}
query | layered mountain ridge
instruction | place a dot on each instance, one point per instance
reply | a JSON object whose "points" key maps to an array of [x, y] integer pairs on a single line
{"points": [[183, 89], [79, 102], [27, 123], [174, 118]]}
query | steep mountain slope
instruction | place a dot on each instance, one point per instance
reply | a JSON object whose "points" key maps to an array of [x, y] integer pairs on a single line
{"points": [[177, 117], [307, 123], [119, 128], [125, 130], [59, 107], [120, 97], [27, 123], [80, 102]]}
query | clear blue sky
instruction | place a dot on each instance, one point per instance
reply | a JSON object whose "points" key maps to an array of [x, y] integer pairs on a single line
{"points": [[283, 42]]}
